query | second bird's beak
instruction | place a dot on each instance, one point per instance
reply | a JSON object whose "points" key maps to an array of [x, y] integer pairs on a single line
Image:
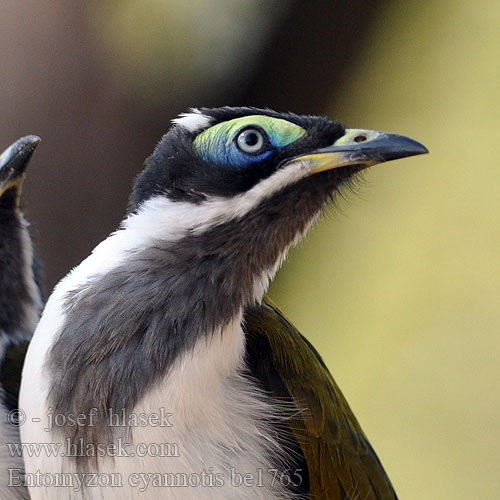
{"points": [[363, 147], [14, 159], [13, 162]]}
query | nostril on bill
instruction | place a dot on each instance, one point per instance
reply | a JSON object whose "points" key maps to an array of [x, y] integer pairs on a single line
{"points": [[360, 138]]}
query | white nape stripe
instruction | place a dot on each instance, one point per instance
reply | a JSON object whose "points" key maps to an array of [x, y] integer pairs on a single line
{"points": [[193, 121], [164, 219]]}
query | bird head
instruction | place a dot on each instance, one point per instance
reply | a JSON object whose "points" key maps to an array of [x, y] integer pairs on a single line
{"points": [[249, 182], [13, 163], [225, 152]]}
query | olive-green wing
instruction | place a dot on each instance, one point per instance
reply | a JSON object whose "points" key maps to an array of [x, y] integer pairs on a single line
{"points": [[340, 462]]}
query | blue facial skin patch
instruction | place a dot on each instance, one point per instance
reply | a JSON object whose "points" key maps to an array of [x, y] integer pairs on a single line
{"points": [[217, 144]]}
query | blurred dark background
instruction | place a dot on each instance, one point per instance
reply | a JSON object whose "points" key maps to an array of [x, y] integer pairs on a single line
{"points": [[399, 290]]}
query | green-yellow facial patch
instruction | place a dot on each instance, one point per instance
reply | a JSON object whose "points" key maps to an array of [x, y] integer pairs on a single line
{"points": [[218, 144]]}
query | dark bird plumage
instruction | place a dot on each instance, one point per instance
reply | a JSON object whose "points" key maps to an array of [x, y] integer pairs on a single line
{"points": [[20, 301]]}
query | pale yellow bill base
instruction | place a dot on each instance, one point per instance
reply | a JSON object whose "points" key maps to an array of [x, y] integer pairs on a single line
{"points": [[363, 147]]}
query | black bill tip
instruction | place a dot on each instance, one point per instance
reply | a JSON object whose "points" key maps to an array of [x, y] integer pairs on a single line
{"points": [[392, 147], [363, 148]]}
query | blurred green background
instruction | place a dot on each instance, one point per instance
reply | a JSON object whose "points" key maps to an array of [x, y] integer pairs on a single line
{"points": [[399, 287]]}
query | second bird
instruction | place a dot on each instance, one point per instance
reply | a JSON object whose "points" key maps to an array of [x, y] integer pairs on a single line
{"points": [[20, 307]]}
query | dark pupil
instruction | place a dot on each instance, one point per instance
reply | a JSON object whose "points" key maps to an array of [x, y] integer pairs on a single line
{"points": [[251, 138]]}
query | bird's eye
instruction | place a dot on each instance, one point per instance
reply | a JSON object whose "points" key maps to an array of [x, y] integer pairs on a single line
{"points": [[250, 140]]}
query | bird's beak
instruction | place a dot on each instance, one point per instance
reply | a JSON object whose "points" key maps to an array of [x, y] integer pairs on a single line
{"points": [[363, 147], [13, 162]]}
